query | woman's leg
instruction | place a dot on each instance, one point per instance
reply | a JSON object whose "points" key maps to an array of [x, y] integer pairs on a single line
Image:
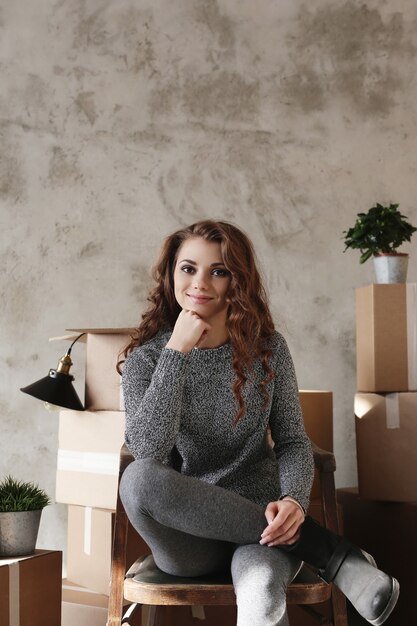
{"points": [[175, 552], [149, 488], [260, 578], [182, 554]]}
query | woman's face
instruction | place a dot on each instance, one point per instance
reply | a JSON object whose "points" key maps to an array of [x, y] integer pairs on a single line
{"points": [[201, 281]]}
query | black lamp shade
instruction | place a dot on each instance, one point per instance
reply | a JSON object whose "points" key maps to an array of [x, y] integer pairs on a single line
{"points": [[56, 388]]}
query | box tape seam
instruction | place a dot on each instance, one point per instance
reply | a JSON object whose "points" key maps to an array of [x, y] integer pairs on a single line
{"points": [[392, 410], [411, 305], [87, 530], [14, 594], [91, 462]]}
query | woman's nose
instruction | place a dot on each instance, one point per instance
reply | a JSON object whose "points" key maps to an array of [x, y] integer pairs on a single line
{"points": [[200, 281]]}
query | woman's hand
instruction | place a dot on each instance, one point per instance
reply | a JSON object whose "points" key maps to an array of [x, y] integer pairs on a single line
{"points": [[189, 331], [284, 520]]}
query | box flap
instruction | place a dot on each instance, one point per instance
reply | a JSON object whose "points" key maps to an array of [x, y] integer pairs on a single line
{"points": [[103, 331], [69, 338], [75, 332], [16, 559]]}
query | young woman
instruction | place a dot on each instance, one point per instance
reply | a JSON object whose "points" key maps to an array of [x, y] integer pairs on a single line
{"points": [[204, 378]]}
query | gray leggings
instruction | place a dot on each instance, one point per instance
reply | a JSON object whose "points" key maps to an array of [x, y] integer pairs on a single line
{"points": [[194, 528]]}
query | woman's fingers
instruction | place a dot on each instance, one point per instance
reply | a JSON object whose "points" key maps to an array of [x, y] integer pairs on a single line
{"points": [[288, 537], [271, 512], [282, 529], [187, 332], [280, 533]]}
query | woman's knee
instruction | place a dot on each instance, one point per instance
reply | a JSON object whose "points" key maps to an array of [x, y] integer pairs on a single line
{"points": [[262, 570], [260, 577], [136, 481]]}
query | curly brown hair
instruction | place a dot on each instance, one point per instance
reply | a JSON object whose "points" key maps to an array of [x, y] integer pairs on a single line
{"points": [[249, 321]]}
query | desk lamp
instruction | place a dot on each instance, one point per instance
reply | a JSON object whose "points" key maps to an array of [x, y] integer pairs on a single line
{"points": [[56, 389]]}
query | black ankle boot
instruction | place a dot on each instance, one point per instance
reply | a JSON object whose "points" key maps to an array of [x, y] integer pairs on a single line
{"points": [[372, 592]]}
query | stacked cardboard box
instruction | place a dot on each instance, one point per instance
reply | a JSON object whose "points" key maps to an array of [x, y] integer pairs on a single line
{"points": [[30, 589], [381, 514], [317, 409], [82, 606], [386, 402], [87, 474], [90, 532], [386, 444]]}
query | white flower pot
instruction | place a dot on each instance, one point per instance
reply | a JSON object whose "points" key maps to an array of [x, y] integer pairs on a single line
{"points": [[391, 267]]}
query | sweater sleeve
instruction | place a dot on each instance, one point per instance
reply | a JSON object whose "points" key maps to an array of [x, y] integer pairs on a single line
{"points": [[292, 445], [152, 395]]}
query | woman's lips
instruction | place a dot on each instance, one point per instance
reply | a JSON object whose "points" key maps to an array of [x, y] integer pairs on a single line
{"points": [[199, 299]]}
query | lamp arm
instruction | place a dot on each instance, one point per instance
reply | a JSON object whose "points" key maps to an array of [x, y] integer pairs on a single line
{"points": [[64, 363], [76, 339]]}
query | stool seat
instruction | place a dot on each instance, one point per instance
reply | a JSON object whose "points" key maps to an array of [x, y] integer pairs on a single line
{"points": [[145, 583]]}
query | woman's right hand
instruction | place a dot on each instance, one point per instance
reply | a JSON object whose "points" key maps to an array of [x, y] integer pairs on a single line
{"points": [[188, 331]]}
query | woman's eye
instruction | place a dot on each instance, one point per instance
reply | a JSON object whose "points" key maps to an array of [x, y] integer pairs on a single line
{"points": [[219, 272], [188, 269]]}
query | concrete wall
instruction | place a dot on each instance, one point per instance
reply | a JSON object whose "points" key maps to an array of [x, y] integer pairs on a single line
{"points": [[123, 120]]}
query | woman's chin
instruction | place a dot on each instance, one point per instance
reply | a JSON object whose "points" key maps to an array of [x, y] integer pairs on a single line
{"points": [[194, 308]]}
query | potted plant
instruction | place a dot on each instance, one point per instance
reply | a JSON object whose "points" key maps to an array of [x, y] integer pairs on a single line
{"points": [[379, 233], [21, 506]]}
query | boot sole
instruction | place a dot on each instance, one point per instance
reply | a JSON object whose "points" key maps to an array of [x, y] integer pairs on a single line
{"points": [[390, 606]]}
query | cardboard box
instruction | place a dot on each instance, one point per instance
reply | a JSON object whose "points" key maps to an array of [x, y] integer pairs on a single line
{"points": [[30, 589], [90, 539], [82, 607], [88, 457], [388, 531], [386, 337], [386, 445], [85, 607], [317, 408], [103, 391]]}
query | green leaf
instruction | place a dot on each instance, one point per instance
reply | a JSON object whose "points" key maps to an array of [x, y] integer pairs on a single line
{"points": [[381, 229], [16, 495]]}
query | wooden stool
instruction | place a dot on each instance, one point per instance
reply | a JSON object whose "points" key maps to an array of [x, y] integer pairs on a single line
{"points": [[145, 584]]}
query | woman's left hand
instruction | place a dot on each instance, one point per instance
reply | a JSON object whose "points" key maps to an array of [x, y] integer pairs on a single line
{"points": [[284, 520]]}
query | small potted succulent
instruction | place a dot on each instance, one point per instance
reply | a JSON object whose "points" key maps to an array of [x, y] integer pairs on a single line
{"points": [[378, 233], [21, 507]]}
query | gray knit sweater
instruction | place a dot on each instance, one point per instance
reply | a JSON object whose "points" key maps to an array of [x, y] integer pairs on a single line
{"points": [[180, 407]]}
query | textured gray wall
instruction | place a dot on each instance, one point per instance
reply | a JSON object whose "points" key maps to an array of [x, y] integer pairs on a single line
{"points": [[123, 120]]}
